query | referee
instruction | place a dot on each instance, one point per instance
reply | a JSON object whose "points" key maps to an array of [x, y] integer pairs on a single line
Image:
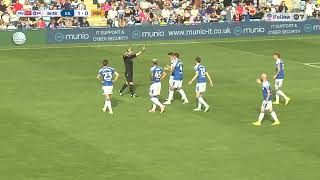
{"points": [[128, 58]]}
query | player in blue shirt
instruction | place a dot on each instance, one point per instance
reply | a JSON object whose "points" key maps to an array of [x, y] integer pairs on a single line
{"points": [[157, 74], [201, 75], [105, 77], [176, 70], [279, 76], [267, 101]]}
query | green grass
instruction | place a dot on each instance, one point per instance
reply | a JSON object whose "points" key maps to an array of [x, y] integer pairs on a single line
{"points": [[52, 126]]}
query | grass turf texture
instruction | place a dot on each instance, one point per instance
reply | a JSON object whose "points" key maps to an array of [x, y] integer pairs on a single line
{"points": [[52, 126]]}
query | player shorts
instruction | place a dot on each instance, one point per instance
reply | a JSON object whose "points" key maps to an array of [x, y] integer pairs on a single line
{"points": [[107, 90], [171, 81], [278, 84], [155, 89], [177, 84], [266, 105], [129, 76], [201, 87]]}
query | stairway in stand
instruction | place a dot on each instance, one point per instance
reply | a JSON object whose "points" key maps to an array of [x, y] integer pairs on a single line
{"points": [[289, 4], [97, 16]]}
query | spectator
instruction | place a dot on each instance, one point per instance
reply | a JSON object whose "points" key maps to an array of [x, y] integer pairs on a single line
{"points": [[17, 6], [41, 24], [3, 7], [2, 25], [310, 8], [237, 17], [282, 8], [52, 24]]}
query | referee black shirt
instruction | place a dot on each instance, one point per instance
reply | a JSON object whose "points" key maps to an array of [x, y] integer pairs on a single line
{"points": [[128, 62]]}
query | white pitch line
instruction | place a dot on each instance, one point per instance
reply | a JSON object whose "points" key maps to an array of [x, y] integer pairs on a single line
{"points": [[153, 44], [311, 65]]}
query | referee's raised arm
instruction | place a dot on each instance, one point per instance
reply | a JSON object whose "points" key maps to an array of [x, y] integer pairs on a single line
{"points": [[128, 57]]}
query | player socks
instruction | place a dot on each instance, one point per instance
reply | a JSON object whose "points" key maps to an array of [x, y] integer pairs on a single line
{"points": [[131, 87], [277, 97], [199, 105], [156, 101], [183, 94], [108, 103], [105, 104], [170, 95], [274, 116], [123, 87], [282, 94], [202, 101], [261, 116]]}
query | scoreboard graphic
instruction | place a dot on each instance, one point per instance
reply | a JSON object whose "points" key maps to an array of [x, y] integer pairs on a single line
{"points": [[54, 13]]}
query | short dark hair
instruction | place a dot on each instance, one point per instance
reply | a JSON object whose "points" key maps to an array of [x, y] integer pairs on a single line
{"points": [[170, 53], [105, 62], [177, 55], [277, 54], [198, 59]]}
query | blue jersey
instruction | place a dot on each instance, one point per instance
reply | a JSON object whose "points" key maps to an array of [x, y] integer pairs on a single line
{"points": [[107, 74], [201, 70], [280, 63], [172, 64], [265, 88], [178, 71], [156, 72]]}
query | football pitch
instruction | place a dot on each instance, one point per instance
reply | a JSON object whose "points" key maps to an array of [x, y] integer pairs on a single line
{"points": [[52, 126]]}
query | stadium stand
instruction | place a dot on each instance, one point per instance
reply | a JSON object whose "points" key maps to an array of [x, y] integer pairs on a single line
{"points": [[121, 13]]}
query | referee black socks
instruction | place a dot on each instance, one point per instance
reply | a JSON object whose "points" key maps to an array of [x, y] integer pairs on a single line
{"points": [[123, 87]]}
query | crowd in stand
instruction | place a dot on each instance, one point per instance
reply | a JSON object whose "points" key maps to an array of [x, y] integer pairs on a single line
{"points": [[121, 13], [10, 20]]}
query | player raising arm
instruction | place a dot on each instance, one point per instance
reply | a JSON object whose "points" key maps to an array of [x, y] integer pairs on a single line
{"points": [[105, 77], [201, 75], [128, 58], [157, 75], [267, 101]]}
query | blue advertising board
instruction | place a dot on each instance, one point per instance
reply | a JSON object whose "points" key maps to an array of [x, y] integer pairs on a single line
{"points": [[178, 32]]}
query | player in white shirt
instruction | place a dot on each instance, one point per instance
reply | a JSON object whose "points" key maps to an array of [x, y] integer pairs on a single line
{"points": [[105, 77]]}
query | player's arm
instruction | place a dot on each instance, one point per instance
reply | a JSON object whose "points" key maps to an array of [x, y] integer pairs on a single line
{"points": [[116, 76], [210, 80], [99, 77], [140, 52], [277, 72], [194, 77], [164, 74], [259, 80]]}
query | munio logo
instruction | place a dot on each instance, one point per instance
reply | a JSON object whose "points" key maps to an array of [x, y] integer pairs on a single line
{"points": [[80, 36]]}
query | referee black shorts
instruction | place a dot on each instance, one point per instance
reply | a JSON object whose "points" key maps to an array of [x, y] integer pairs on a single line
{"points": [[129, 76]]}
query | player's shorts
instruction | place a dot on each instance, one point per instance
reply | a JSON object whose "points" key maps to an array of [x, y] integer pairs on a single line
{"points": [[266, 105], [155, 89], [129, 76], [171, 81], [278, 84], [107, 90], [177, 84], [201, 87]]}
